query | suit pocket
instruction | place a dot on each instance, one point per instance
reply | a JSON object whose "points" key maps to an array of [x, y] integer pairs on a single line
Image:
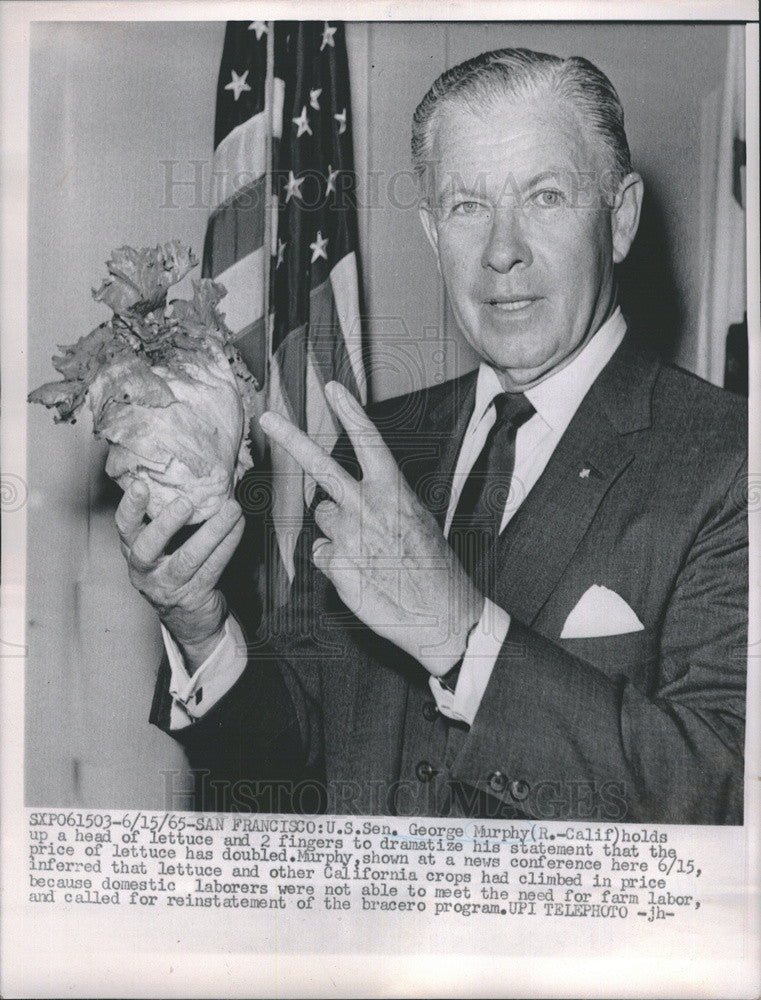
{"points": [[633, 655]]}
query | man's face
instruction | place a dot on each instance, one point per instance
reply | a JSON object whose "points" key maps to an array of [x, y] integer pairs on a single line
{"points": [[525, 242]]}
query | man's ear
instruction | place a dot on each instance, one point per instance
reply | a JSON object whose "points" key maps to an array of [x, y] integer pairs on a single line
{"points": [[428, 221], [624, 215]]}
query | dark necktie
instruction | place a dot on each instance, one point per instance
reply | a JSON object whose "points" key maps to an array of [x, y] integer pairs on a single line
{"points": [[481, 506]]}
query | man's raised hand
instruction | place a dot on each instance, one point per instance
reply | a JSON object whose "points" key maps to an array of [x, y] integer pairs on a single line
{"points": [[182, 587], [383, 551]]}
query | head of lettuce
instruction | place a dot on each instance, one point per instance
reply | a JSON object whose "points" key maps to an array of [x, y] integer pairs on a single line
{"points": [[165, 385]]}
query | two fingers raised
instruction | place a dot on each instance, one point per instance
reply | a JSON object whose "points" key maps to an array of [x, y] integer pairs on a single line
{"points": [[370, 449], [313, 459]]}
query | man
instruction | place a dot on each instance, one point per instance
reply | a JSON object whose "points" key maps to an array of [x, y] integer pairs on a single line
{"points": [[527, 594]]}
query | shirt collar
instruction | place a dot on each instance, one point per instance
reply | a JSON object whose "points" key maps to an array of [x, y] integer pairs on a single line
{"points": [[557, 397]]}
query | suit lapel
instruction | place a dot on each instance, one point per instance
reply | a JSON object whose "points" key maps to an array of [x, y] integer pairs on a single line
{"points": [[536, 546], [430, 460]]}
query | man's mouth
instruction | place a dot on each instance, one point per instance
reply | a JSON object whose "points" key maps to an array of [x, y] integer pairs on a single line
{"points": [[511, 304]]}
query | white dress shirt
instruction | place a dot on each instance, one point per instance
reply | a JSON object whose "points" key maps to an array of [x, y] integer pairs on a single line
{"points": [[555, 400]]}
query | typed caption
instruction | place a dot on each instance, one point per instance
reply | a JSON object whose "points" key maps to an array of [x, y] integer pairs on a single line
{"points": [[481, 869]]}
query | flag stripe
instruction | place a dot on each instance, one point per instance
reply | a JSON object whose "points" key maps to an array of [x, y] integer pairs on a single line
{"points": [[236, 228], [330, 354], [240, 158], [252, 345], [287, 499], [234, 253], [345, 284], [329, 351], [323, 426], [291, 390], [244, 302], [278, 97]]}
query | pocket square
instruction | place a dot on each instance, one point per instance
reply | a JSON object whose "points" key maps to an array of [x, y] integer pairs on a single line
{"points": [[600, 612]]}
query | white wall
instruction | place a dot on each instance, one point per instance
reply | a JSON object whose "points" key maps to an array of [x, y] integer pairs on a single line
{"points": [[110, 102]]}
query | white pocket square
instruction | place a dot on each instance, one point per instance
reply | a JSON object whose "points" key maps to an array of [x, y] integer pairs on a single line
{"points": [[600, 612]]}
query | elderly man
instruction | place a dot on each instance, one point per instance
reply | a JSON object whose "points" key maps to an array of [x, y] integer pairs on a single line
{"points": [[522, 593]]}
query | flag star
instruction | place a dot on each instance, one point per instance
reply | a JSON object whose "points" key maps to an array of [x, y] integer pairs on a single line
{"points": [[327, 36], [281, 245], [314, 98], [260, 27], [318, 247], [303, 122], [341, 119], [238, 84], [332, 174], [293, 187]]}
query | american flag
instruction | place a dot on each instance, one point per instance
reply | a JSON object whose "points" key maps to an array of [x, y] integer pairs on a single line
{"points": [[234, 251], [284, 179]]}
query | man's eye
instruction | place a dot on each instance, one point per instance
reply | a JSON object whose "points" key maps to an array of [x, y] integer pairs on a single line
{"points": [[468, 208], [549, 198]]}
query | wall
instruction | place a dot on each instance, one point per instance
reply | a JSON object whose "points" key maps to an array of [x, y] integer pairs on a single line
{"points": [[120, 110], [109, 103]]}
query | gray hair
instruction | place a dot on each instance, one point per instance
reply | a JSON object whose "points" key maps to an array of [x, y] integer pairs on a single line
{"points": [[522, 73]]}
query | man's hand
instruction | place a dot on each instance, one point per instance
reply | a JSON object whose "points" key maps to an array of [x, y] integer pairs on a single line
{"points": [[383, 551], [182, 587]]}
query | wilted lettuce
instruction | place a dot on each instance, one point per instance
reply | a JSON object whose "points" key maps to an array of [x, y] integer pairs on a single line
{"points": [[165, 385]]}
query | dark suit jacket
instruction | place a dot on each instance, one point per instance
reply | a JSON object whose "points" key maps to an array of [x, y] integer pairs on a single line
{"points": [[646, 726]]}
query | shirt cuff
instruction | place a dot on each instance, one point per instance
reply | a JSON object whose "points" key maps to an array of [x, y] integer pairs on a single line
{"points": [[193, 697], [484, 644]]}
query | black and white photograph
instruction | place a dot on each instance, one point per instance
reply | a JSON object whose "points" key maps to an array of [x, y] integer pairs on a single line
{"points": [[559, 634], [385, 397]]}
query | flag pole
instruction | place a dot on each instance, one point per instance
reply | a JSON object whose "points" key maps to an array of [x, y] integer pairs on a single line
{"points": [[264, 576], [269, 227]]}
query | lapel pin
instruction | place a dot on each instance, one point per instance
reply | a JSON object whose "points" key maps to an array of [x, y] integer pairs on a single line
{"points": [[584, 474]]}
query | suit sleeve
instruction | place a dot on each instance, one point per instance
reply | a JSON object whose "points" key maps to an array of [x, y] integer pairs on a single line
{"points": [[557, 737], [260, 745]]}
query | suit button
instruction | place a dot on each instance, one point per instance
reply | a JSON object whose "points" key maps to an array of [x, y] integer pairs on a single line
{"points": [[497, 781], [425, 771], [430, 711], [519, 789]]}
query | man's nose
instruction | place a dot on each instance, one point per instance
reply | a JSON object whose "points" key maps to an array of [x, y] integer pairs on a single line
{"points": [[507, 246]]}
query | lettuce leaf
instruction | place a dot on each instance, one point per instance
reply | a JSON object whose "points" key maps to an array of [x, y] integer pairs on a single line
{"points": [[138, 279], [163, 380]]}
